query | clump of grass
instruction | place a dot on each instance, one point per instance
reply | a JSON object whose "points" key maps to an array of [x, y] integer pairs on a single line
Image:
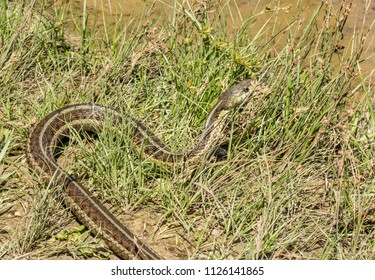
{"points": [[298, 178]]}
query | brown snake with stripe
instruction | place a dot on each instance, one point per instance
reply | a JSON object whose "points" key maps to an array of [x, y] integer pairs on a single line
{"points": [[90, 117]]}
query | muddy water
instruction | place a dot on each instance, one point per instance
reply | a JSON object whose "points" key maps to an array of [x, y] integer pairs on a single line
{"points": [[104, 14]]}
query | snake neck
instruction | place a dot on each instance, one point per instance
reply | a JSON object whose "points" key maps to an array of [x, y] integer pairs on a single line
{"points": [[211, 134]]}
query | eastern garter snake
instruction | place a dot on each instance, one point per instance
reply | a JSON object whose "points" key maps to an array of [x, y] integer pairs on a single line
{"points": [[90, 117]]}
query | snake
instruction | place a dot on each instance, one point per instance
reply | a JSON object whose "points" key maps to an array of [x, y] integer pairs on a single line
{"points": [[44, 139]]}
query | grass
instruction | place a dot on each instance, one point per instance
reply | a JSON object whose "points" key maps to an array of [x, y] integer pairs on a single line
{"points": [[298, 181]]}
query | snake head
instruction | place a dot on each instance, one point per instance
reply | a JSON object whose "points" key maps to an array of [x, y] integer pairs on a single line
{"points": [[240, 92]]}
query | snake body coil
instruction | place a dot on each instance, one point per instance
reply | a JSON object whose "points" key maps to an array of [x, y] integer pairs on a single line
{"points": [[89, 211]]}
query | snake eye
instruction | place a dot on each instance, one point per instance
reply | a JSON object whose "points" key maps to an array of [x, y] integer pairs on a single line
{"points": [[246, 89]]}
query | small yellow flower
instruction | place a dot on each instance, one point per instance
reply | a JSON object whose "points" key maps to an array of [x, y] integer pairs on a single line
{"points": [[188, 41]]}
